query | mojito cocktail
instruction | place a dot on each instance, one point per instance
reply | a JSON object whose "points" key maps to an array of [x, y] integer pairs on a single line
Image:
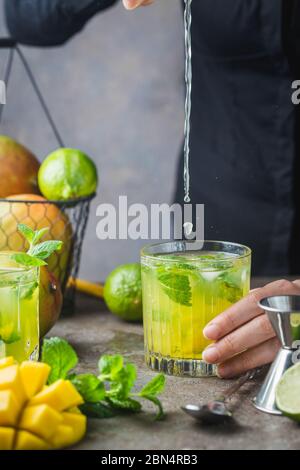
{"points": [[19, 310], [185, 286]]}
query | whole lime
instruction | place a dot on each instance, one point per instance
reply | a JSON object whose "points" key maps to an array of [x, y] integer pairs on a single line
{"points": [[67, 174], [123, 292]]}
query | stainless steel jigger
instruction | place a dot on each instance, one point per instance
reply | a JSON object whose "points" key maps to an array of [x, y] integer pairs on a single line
{"points": [[284, 315]]}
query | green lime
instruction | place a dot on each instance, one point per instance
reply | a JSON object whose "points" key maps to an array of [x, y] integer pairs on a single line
{"points": [[67, 174], [288, 393], [123, 292], [295, 324]]}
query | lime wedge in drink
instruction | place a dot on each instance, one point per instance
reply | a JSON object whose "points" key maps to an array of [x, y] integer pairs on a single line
{"points": [[288, 393]]}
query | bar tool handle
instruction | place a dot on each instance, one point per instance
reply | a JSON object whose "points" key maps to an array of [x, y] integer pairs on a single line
{"points": [[237, 385]]}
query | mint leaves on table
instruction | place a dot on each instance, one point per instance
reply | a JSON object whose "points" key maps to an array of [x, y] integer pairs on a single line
{"points": [[58, 353], [109, 393], [37, 252]]}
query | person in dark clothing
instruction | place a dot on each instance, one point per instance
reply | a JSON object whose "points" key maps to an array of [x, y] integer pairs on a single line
{"points": [[244, 142], [50, 22]]}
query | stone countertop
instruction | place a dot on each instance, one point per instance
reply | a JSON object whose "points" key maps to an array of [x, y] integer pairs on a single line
{"points": [[93, 332]]}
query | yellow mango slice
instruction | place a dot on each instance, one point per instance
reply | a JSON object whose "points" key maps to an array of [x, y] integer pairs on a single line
{"points": [[77, 423], [63, 437], [75, 410], [27, 441], [61, 395], [10, 379], [41, 420], [7, 361], [9, 408], [34, 376], [7, 438]]}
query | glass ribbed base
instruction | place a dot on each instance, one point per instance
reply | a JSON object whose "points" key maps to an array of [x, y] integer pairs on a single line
{"points": [[180, 367]]}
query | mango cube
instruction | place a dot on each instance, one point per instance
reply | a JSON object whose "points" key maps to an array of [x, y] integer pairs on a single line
{"points": [[27, 441], [9, 408], [61, 395], [42, 420], [34, 376], [10, 379], [7, 361], [64, 437], [7, 436], [77, 421]]}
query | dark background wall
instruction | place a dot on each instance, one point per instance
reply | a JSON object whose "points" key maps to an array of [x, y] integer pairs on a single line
{"points": [[116, 92]]}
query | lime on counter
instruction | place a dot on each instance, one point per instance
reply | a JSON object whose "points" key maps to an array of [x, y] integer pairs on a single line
{"points": [[295, 324], [67, 174], [123, 292], [288, 393]]}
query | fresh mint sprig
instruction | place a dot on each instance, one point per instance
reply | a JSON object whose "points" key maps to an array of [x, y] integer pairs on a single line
{"points": [[109, 393], [37, 252]]}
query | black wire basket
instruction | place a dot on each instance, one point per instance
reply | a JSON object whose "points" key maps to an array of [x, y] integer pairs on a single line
{"points": [[65, 220]]}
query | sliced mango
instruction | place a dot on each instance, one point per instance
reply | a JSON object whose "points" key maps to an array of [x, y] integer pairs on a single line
{"points": [[34, 376], [34, 416], [61, 395], [77, 421], [27, 441], [41, 420], [63, 437], [7, 436], [7, 361], [9, 408], [10, 379]]}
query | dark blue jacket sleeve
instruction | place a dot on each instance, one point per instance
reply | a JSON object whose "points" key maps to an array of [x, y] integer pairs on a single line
{"points": [[49, 22]]}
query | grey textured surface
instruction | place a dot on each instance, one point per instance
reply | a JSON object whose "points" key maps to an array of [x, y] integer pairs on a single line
{"points": [[116, 92], [93, 331]]}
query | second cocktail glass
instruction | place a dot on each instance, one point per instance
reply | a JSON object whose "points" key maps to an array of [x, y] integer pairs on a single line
{"points": [[19, 310]]}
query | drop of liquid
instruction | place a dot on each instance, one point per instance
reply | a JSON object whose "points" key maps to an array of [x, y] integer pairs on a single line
{"points": [[188, 228]]}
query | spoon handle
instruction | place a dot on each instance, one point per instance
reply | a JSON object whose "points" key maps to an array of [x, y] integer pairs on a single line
{"points": [[236, 386]]}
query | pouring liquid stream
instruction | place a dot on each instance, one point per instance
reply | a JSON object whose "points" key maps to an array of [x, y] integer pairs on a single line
{"points": [[188, 100]]}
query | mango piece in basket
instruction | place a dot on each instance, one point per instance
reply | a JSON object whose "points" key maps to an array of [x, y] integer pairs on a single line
{"points": [[34, 416]]}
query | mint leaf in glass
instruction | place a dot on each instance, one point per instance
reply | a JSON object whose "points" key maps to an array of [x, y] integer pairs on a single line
{"points": [[27, 260], [45, 249], [27, 232], [38, 252], [176, 286]]}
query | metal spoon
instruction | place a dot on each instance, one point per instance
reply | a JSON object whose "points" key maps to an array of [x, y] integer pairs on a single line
{"points": [[216, 411]]}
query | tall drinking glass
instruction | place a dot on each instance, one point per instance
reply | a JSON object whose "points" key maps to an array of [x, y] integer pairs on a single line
{"points": [[19, 310], [186, 285]]}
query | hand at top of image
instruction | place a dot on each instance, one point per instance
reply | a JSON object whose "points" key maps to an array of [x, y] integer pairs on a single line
{"points": [[244, 336], [132, 4]]}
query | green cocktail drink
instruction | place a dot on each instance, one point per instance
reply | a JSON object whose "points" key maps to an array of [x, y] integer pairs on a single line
{"points": [[185, 286], [19, 310]]}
